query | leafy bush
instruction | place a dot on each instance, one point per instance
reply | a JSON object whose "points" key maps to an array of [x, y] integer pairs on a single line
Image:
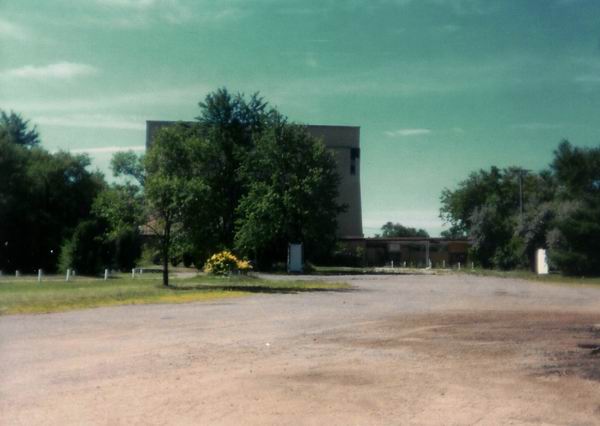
{"points": [[224, 263], [87, 251]]}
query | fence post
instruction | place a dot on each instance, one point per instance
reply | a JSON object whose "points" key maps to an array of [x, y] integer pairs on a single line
{"points": [[132, 272], [40, 275], [17, 273], [68, 277], [459, 266], [105, 274]]}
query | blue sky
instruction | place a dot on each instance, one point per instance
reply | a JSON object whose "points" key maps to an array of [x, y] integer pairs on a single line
{"points": [[439, 87]]}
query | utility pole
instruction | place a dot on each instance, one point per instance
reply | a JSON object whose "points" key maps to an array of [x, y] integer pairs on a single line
{"points": [[521, 194]]}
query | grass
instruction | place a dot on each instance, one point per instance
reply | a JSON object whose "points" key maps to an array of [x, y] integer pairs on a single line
{"points": [[21, 296]]}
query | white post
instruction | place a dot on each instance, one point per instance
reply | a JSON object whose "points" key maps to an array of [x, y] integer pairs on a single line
{"points": [[141, 271], [459, 266], [132, 272], [443, 264], [40, 275], [541, 262], [17, 273], [72, 272], [105, 274], [472, 266], [68, 277], [392, 264]]}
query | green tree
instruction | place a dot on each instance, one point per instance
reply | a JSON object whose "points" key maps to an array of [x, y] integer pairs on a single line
{"points": [[292, 187], [121, 207], [43, 197], [391, 230], [486, 207], [574, 239], [16, 130], [86, 250], [129, 165], [175, 187], [230, 124]]}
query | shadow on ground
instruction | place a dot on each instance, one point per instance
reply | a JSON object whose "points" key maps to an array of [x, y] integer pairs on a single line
{"points": [[257, 288]]}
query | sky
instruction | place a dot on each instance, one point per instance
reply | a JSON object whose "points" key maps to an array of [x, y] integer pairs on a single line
{"points": [[439, 88]]}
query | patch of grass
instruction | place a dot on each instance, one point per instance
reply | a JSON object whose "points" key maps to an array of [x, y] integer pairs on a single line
{"points": [[370, 270], [257, 285], [19, 296], [531, 276]]}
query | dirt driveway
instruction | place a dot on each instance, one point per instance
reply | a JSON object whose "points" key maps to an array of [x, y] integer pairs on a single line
{"points": [[397, 350]]}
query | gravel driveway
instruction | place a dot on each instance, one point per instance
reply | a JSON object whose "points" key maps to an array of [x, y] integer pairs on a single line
{"points": [[453, 349]]}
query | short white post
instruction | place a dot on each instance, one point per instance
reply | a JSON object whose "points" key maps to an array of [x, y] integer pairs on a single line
{"points": [[141, 271], [72, 272], [443, 264], [472, 266], [132, 272], [40, 275], [17, 273], [459, 266], [105, 274], [541, 262], [68, 276], [392, 264]]}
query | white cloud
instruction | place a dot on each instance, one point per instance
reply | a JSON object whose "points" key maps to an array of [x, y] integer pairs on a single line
{"points": [[57, 71], [94, 121], [407, 132], [311, 60], [450, 28], [537, 126], [460, 7], [186, 96], [129, 4], [133, 14], [108, 149], [589, 78], [10, 30]]}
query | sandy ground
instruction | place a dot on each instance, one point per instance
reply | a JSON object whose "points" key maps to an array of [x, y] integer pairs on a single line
{"points": [[396, 350]]}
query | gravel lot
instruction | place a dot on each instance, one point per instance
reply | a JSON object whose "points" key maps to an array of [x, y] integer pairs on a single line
{"points": [[454, 349]]}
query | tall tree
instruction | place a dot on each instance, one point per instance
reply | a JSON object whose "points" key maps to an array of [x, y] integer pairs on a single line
{"points": [[43, 196], [230, 124], [574, 240], [292, 187], [175, 187], [489, 208]]}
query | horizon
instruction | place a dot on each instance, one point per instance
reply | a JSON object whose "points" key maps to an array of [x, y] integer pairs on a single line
{"points": [[439, 88]]}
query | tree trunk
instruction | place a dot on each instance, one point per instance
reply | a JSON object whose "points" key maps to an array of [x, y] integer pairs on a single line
{"points": [[165, 254]]}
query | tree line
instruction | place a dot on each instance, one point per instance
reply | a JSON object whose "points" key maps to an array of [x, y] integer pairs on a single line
{"points": [[240, 177], [509, 213]]}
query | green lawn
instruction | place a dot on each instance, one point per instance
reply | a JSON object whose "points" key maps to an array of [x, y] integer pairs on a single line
{"points": [[19, 296]]}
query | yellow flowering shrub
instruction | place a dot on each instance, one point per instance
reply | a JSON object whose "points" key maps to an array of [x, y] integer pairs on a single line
{"points": [[224, 263]]}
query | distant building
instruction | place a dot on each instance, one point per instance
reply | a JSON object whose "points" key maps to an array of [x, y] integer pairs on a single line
{"points": [[344, 142], [410, 251]]}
